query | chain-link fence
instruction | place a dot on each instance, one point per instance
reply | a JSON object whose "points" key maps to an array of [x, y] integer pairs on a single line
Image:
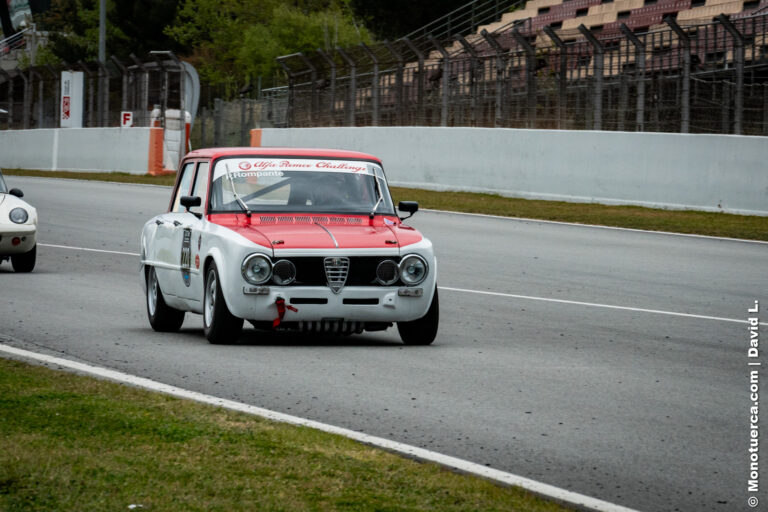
{"points": [[701, 78], [705, 78], [32, 96]]}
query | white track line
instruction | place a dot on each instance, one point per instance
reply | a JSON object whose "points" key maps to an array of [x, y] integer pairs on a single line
{"points": [[88, 250], [597, 226], [594, 305], [497, 294], [542, 489]]}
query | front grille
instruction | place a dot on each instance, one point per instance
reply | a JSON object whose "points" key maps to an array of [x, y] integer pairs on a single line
{"points": [[310, 271], [336, 271]]}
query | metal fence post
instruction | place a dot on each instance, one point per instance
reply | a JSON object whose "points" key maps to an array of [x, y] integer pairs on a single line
{"points": [[446, 92], [472, 77], [203, 115], [56, 94], [738, 99], [103, 94], [500, 65], [352, 93], [419, 80], [217, 115], [124, 82], [685, 43], [27, 94], [332, 85], [290, 121], [40, 98], [165, 87], [313, 101], [562, 97], [399, 114], [375, 85], [598, 71], [91, 87], [640, 67], [530, 76], [142, 101]]}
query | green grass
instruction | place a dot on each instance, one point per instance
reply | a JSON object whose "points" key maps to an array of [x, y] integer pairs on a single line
{"points": [[69, 442], [693, 222]]}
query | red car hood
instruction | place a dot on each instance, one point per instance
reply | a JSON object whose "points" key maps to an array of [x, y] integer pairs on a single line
{"points": [[319, 231]]}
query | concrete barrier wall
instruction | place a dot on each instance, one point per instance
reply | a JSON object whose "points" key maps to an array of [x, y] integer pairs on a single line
{"points": [[703, 172], [76, 149]]}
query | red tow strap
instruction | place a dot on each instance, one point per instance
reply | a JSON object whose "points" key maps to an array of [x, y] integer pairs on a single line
{"points": [[281, 307]]}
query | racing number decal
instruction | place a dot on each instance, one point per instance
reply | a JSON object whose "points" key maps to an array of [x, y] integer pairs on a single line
{"points": [[186, 255]]}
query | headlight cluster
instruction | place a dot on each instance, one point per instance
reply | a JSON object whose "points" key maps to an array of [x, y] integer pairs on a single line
{"points": [[413, 270], [257, 269], [19, 215]]}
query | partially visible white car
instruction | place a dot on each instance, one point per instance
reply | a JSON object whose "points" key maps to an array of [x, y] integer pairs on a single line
{"points": [[18, 229]]}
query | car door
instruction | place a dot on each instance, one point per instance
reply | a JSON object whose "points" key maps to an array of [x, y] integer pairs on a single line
{"points": [[189, 238], [165, 249]]}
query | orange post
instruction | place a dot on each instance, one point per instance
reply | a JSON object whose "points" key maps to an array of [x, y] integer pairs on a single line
{"points": [[155, 165], [256, 138]]}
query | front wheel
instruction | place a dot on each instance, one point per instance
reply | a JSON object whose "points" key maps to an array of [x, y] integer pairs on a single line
{"points": [[162, 317], [220, 326], [24, 262], [423, 330]]}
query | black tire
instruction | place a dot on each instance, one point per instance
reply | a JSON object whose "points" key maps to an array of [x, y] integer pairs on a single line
{"points": [[162, 317], [423, 330], [24, 262], [220, 326]]}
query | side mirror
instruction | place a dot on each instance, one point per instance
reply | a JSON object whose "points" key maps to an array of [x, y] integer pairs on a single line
{"points": [[16, 192], [190, 201], [408, 207]]}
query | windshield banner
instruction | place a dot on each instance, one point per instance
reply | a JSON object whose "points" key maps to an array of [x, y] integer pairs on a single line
{"points": [[261, 167]]}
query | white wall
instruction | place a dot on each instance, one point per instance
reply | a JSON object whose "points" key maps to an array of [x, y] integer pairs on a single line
{"points": [[704, 172], [76, 149]]}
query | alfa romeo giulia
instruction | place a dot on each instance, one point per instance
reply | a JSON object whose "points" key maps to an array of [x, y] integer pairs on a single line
{"points": [[288, 239]]}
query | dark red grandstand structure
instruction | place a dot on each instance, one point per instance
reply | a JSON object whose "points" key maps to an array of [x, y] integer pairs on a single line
{"points": [[637, 65]]}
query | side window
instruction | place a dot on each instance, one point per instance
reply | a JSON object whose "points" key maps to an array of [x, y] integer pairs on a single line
{"points": [[200, 188], [186, 178]]}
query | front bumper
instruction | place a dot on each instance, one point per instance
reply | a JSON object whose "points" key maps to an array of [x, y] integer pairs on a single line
{"points": [[352, 304], [27, 235]]}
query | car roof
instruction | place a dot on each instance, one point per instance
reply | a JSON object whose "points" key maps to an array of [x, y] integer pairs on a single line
{"points": [[280, 152]]}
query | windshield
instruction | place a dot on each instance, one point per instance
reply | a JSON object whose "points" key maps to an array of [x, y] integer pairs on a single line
{"points": [[299, 185], [3, 188]]}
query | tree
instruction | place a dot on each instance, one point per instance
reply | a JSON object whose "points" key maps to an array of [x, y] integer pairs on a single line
{"points": [[132, 27], [234, 41]]}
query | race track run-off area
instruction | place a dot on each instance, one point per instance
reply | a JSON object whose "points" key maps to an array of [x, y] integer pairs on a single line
{"points": [[607, 362]]}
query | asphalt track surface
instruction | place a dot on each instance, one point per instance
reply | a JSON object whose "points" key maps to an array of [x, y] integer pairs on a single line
{"points": [[645, 410]]}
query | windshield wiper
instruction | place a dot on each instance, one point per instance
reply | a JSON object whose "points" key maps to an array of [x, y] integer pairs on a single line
{"points": [[381, 198], [234, 192]]}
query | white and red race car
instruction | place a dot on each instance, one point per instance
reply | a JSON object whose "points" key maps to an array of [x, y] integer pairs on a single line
{"points": [[288, 239], [18, 229]]}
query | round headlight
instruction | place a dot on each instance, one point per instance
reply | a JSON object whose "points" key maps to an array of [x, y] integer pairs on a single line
{"points": [[19, 215], [284, 272], [387, 273], [256, 269], [413, 269]]}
